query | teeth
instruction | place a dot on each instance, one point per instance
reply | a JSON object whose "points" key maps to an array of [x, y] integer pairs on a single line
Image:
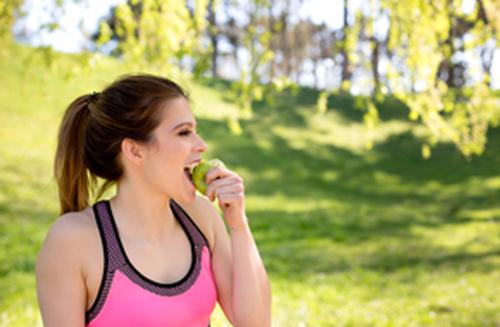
{"points": [[191, 167]]}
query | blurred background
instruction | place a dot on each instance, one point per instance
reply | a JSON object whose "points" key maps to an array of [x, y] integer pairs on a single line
{"points": [[367, 133]]}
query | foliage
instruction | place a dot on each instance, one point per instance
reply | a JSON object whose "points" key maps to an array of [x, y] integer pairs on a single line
{"points": [[155, 33], [424, 72], [461, 115], [8, 11]]}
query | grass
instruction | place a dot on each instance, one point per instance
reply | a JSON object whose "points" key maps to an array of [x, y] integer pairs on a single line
{"points": [[349, 236]]}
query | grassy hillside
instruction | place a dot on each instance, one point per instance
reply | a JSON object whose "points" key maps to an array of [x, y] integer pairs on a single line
{"points": [[350, 237]]}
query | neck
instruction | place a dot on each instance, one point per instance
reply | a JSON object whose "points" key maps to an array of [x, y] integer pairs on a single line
{"points": [[142, 215]]}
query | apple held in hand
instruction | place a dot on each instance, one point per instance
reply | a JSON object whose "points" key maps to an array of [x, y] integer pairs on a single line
{"points": [[200, 173]]}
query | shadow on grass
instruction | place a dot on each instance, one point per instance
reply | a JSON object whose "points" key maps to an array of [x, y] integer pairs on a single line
{"points": [[400, 155], [434, 259], [296, 245], [349, 106]]}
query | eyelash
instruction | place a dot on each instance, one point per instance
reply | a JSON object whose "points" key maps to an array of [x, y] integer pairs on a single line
{"points": [[185, 133]]}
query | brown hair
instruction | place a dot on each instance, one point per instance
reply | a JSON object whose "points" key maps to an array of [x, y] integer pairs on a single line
{"points": [[93, 127]]}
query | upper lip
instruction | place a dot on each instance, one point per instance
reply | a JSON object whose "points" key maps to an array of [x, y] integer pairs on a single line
{"points": [[194, 161]]}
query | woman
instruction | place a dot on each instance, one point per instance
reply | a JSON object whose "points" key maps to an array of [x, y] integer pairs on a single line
{"points": [[157, 253]]}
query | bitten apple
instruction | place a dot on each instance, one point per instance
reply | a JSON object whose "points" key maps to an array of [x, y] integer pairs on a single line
{"points": [[200, 173]]}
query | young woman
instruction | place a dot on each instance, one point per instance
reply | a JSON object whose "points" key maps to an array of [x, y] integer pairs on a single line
{"points": [[157, 253]]}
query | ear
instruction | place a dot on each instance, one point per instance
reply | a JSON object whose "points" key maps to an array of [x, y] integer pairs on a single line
{"points": [[133, 151]]}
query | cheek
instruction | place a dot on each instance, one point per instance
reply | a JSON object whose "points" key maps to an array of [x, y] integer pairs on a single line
{"points": [[169, 159]]}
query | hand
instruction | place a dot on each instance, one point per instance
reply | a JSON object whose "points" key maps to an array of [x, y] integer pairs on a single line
{"points": [[228, 188]]}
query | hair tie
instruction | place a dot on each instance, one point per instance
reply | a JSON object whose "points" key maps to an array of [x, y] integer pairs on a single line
{"points": [[92, 98]]}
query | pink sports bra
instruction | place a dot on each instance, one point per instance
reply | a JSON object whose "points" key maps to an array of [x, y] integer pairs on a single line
{"points": [[128, 298]]}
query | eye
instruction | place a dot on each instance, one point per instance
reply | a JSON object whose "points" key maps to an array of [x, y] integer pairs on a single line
{"points": [[185, 132]]}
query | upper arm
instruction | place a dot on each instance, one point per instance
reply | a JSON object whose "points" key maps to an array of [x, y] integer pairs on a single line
{"points": [[60, 283], [221, 257]]}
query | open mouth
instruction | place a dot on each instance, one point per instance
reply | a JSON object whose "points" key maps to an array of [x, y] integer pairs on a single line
{"points": [[188, 170], [189, 175]]}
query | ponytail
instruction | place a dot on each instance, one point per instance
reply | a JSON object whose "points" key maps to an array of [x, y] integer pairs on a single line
{"points": [[70, 172]]}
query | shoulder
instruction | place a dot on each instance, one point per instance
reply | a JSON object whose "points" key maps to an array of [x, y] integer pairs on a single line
{"points": [[68, 238], [205, 215], [72, 227]]}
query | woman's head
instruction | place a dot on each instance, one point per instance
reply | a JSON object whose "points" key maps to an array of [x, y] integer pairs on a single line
{"points": [[132, 113]]}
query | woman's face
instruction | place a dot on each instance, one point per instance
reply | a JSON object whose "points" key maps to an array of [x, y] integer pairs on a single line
{"points": [[177, 146]]}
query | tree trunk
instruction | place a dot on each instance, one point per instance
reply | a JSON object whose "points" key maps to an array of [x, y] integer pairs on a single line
{"points": [[213, 32], [273, 45], [375, 61], [487, 55], [346, 65], [315, 73]]}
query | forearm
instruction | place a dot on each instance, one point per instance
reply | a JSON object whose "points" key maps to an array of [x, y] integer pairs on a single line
{"points": [[251, 289]]}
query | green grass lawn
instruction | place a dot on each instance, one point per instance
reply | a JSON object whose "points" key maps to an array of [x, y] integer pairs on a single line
{"points": [[349, 236]]}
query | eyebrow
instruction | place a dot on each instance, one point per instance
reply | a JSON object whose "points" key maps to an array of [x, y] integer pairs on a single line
{"points": [[182, 124]]}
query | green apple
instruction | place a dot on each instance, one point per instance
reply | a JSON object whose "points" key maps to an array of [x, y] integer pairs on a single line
{"points": [[200, 173]]}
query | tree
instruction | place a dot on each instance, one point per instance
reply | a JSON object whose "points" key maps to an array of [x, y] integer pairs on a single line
{"points": [[214, 35], [459, 113], [154, 33], [8, 11], [346, 48]]}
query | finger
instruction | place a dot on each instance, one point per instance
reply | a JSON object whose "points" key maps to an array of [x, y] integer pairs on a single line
{"points": [[225, 190], [217, 173], [221, 182], [228, 189], [228, 180]]}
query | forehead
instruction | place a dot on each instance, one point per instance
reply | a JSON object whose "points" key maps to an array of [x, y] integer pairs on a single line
{"points": [[176, 111]]}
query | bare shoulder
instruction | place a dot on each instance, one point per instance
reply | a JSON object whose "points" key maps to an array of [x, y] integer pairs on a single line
{"points": [[205, 215], [69, 236], [72, 226]]}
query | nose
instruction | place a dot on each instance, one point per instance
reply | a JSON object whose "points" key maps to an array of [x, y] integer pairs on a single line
{"points": [[200, 146]]}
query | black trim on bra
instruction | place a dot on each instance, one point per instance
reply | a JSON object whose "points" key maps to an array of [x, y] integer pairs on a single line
{"points": [[105, 266], [194, 224], [145, 278]]}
